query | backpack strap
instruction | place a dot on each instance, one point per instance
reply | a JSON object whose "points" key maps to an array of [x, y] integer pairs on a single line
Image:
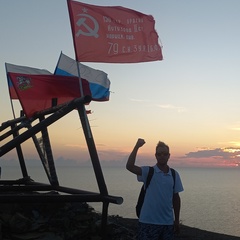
{"points": [[149, 177], [174, 177]]}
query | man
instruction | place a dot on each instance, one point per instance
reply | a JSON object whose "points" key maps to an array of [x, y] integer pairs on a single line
{"points": [[156, 219]]}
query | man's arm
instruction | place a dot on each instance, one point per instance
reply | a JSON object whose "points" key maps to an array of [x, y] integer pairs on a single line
{"points": [[132, 158], [176, 208]]}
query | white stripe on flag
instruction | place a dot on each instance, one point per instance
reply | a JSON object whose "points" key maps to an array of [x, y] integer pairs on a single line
{"points": [[69, 66]]}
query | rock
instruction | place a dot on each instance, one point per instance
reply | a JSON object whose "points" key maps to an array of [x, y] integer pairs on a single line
{"points": [[18, 223], [73, 221]]}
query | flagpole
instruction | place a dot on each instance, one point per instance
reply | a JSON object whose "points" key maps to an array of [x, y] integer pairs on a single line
{"points": [[12, 108], [11, 101], [80, 80], [82, 95]]}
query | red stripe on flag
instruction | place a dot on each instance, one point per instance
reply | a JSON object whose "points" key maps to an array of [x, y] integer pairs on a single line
{"points": [[35, 92]]}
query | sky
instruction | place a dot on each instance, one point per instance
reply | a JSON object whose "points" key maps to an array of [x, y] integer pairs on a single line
{"points": [[190, 99]]}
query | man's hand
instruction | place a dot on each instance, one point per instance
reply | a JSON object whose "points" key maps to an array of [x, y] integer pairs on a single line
{"points": [[140, 142]]}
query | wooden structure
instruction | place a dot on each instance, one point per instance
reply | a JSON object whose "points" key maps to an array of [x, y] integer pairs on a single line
{"points": [[10, 189]]}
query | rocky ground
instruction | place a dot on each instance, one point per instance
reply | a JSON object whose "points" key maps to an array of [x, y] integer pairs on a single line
{"points": [[187, 233], [75, 221]]}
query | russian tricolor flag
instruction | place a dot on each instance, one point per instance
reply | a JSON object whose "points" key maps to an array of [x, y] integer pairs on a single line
{"points": [[98, 80]]}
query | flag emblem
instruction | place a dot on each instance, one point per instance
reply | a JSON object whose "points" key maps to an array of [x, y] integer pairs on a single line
{"points": [[85, 28], [24, 83]]}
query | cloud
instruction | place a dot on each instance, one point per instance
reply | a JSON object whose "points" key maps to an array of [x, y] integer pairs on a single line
{"points": [[172, 107], [235, 126], [74, 145], [236, 143], [222, 153], [163, 106], [140, 100]]}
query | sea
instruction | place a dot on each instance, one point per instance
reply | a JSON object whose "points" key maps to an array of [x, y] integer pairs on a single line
{"points": [[210, 200]]}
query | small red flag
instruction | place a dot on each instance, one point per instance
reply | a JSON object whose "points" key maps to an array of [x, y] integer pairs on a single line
{"points": [[113, 34], [36, 92], [21, 69]]}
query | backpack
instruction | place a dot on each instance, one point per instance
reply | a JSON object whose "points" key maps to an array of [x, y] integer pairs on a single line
{"points": [[143, 190]]}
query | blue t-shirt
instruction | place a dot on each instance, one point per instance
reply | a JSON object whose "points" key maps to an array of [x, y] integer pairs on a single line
{"points": [[157, 206]]}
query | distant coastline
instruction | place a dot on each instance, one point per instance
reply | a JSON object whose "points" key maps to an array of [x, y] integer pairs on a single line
{"points": [[62, 162]]}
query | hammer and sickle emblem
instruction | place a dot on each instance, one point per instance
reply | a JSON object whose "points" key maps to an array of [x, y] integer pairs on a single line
{"points": [[89, 31]]}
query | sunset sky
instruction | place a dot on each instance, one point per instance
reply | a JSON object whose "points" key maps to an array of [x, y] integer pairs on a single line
{"points": [[190, 100]]}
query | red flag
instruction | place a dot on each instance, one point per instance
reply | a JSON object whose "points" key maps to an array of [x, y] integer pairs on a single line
{"points": [[36, 92], [112, 34], [21, 69]]}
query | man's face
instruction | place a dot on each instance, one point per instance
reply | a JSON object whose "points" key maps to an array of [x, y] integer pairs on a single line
{"points": [[162, 155]]}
